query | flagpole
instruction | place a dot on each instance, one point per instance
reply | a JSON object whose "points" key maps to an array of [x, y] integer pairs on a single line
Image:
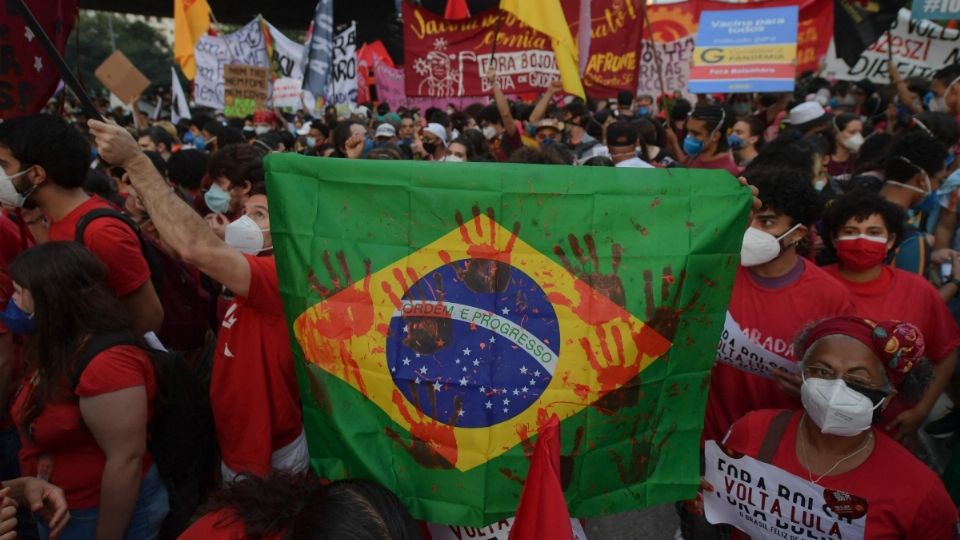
{"points": [[68, 77], [656, 57], [496, 34]]}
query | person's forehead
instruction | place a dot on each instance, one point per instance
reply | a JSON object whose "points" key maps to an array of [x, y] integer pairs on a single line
{"points": [[257, 202], [844, 354], [873, 220]]}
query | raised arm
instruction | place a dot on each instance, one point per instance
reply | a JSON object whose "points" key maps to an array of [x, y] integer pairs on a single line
{"points": [[541, 108], [179, 225], [503, 106]]}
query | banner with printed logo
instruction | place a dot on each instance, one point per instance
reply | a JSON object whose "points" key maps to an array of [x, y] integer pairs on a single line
{"points": [[920, 48]]}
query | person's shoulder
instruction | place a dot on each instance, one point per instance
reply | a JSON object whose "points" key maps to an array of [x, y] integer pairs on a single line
{"points": [[747, 434], [893, 455], [823, 279]]}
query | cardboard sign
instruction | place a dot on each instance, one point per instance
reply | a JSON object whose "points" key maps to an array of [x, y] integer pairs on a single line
{"points": [[745, 50], [767, 502], [121, 77], [245, 83], [920, 48], [737, 350]]}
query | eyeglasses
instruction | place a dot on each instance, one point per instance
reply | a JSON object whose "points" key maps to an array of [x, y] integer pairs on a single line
{"points": [[822, 372]]}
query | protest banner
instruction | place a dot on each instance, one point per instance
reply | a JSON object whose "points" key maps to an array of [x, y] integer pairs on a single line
{"points": [[245, 87], [937, 10], [344, 70], [28, 77], [390, 87], [767, 502], [286, 55], [745, 50], [495, 531], [245, 46], [509, 325], [319, 55], [737, 350], [612, 62], [287, 92], [920, 48], [369, 55], [121, 77]]}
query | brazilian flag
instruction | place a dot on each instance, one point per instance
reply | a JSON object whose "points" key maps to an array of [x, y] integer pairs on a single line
{"points": [[441, 312]]}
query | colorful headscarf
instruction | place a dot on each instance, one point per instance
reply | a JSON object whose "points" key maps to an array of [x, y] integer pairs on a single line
{"points": [[899, 345]]}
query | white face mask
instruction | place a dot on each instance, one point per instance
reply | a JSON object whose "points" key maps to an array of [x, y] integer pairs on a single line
{"points": [[836, 408], [260, 130], [245, 236], [938, 104], [489, 132], [761, 247], [819, 184], [854, 143], [8, 192], [452, 159]]}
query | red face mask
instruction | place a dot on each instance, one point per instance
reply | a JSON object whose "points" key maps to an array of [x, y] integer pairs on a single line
{"points": [[861, 253]]}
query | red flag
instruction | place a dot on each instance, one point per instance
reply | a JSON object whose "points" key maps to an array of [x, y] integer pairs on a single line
{"points": [[543, 510], [456, 10], [28, 76]]}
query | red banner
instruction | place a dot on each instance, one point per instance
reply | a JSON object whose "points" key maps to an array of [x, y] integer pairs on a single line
{"points": [[28, 76]]}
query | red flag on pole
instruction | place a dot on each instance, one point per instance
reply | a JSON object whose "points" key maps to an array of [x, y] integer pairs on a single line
{"points": [[542, 512], [456, 10]]}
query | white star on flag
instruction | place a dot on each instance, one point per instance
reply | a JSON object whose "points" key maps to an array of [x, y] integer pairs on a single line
{"points": [[416, 381], [406, 329], [493, 340], [458, 361], [523, 370], [533, 382], [516, 392], [524, 389], [536, 373], [406, 361], [476, 362], [506, 401], [437, 386], [463, 381], [423, 369], [488, 405], [37, 64], [460, 412], [466, 352], [28, 33]]}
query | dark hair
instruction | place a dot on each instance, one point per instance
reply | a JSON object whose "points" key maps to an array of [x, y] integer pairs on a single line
{"points": [[715, 118], [440, 117], [489, 114], [756, 130], [525, 154], [199, 121], [229, 135], [861, 204], [388, 152], [320, 126], [624, 98], [99, 183], [680, 110], [354, 510], [72, 303], [213, 127], [873, 153], [266, 506], [478, 143], [240, 163], [599, 161], [158, 135], [912, 150], [842, 120], [576, 109], [559, 153], [787, 150], [942, 125], [158, 163], [340, 135], [948, 74], [186, 168], [786, 191], [47, 141], [468, 144]]}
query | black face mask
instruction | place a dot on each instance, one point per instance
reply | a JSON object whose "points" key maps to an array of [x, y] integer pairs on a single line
{"points": [[876, 396], [430, 147]]}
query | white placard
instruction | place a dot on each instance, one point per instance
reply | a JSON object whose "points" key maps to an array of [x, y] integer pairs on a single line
{"points": [[737, 350], [767, 502], [496, 531]]}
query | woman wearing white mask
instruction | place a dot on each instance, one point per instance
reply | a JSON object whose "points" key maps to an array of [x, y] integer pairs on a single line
{"points": [[849, 140], [850, 368]]}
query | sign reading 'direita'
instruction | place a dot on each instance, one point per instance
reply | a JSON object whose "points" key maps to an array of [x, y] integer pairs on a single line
{"points": [[745, 50]]}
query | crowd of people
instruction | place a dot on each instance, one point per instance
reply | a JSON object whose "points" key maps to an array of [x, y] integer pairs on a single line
{"points": [[123, 235]]}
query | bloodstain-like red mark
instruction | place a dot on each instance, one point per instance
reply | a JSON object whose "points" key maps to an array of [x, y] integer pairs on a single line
{"points": [[644, 451], [488, 269], [432, 331], [339, 319], [432, 443], [511, 476], [665, 318], [566, 461], [656, 202], [614, 370], [609, 285]]}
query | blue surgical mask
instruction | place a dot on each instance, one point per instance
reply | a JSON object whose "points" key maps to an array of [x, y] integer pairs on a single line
{"points": [[643, 111], [367, 145], [735, 142], [17, 320], [927, 98], [692, 146], [217, 199], [928, 204], [311, 142], [93, 154], [547, 142], [199, 143], [188, 137], [834, 103]]}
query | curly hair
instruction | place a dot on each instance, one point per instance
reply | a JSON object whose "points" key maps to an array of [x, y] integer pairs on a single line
{"points": [[917, 149], [240, 163], [786, 191], [265, 506], [788, 150], [860, 204]]}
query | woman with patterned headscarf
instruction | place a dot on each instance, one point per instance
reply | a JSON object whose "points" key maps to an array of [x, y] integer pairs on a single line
{"points": [[850, 368]]}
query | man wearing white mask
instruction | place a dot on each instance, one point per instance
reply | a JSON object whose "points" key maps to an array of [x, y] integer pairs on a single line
{"points": [[776, 293], [253, 392]]}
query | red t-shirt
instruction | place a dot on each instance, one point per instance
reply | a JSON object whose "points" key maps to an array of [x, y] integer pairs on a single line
{"points": [[112, 241], [726, 163], [11, 240], [253, 389], [220, 525], [906, 499], [771, 317], [60, 435], [902, 296]]}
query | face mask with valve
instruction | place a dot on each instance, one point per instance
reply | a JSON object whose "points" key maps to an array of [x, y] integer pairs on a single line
{"points": [[761, 247], [839, 409], [245, 236]]}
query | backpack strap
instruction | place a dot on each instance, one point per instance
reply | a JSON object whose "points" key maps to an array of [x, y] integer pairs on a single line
{"points": [[95, 346], [775, 431], [101, 213]]}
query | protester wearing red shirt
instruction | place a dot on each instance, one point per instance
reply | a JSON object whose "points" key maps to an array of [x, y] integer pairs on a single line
{"points": [[46, 161], [253, 392], [706, 144], [85, 429], [863, 227], [775, 294], [851, 366]]}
